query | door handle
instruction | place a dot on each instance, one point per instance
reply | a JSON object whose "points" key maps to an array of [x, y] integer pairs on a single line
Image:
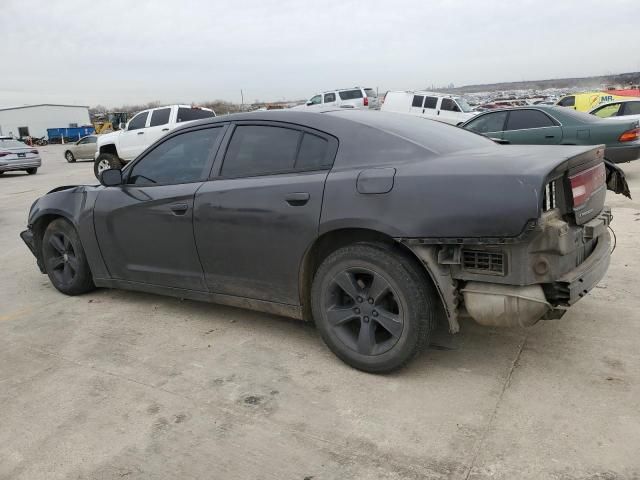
{"points": [[297, 199], [179, 208], [549, 136], [438, 112], [165, 129], [140, 133]]}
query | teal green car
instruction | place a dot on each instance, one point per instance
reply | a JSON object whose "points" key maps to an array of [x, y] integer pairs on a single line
{"points": [[552, 125]]}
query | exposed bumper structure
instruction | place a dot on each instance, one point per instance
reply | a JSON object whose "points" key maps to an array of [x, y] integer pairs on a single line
{"points": [[625, 153]]}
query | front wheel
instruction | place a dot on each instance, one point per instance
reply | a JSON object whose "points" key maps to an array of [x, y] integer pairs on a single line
{"points": [[32, 171], [64, 259], [69, 157], [373, 306], [106, 161]]}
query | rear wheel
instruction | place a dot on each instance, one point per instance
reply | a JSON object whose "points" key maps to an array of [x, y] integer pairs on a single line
{"points": [[373, 306], [105, 161], [65, 260], [69, 157], [32, 171]]}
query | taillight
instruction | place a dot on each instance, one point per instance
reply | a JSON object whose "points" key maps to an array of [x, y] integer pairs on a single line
{"points": [[630, 135], [33, 151], [366, 101], [585, 183]]}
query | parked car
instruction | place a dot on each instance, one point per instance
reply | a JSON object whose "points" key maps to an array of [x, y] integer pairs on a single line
{"points": [[83, 149], [435, 106], [116, 149], [15, 155], [369, 223], [355, 97], [583, 102], [620, 110], [553, 125]]}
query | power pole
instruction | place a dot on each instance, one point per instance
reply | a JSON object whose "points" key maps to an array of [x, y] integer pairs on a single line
{"points": [[242, 99]]}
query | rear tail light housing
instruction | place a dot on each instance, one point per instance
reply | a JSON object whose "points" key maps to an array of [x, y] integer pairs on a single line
{"points": [[33, 151], [630, 135], [365, 101], [586, 182]]}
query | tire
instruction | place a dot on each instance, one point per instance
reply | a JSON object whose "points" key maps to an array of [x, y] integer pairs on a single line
{"points": [[64, 259], [32, 171], [396, 325], [68, 155], [105, 159]]}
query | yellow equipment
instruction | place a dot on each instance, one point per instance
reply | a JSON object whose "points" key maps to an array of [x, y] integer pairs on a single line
{"points": [[110, 122]]}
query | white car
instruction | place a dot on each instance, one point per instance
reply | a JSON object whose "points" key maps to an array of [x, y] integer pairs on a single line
{"points": [[436, 106], [83, 149], [15, 155], [620, 109], [355, 97], [116, 149]]}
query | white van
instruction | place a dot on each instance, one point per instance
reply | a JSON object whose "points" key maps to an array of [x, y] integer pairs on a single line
{"points": [[355, 97], [436, 106]]}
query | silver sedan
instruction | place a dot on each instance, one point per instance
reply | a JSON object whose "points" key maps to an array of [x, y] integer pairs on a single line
{"points": [[15, 155], [83, 149]]}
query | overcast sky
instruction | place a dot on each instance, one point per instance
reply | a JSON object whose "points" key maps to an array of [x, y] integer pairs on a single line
{"points": [[130, 52]]}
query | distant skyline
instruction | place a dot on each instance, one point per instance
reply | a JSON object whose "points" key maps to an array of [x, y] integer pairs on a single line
{"points": [[196, 50]]}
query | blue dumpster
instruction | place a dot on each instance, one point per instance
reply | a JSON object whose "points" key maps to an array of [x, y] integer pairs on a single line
{"points": [[70, 134]]}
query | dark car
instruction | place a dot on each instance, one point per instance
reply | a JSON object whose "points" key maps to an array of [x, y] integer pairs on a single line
{"points": [[553, 125], [368, 223]]}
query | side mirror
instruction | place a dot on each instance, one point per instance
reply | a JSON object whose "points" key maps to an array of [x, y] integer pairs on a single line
{"points": [[309, 103], [111, 177], [122, 125]]}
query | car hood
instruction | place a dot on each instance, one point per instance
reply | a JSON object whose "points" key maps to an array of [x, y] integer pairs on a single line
{"points": [[108, 137]]}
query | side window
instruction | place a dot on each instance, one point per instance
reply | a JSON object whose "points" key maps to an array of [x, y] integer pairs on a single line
{"points": [[350, 94], [491, 122], [92, 139], [260, 150], [608, 110], [417, 101], [430, 102], [160, 117], [524, 119], [313, 153], [329, 97], [186, 114], [138, 121], [315, 100], [631, 108], [569, 101], [83, 141], [180, 159], [449, 105]]}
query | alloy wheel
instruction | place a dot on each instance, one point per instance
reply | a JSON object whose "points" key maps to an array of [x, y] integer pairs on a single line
{"points": [[363, 311], [103, 165], [63, 262]]}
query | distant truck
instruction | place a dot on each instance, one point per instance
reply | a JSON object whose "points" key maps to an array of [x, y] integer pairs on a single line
{"points": [[586, 101], [435, 106], [116, 149]]}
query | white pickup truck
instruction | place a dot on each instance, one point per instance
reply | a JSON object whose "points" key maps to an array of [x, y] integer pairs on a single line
{"points": [[115, 149]]}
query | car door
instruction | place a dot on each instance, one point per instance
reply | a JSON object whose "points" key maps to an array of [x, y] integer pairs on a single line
{"points": [[530, 126], [416, 105], [429, 107], [87, 147], [132, 141], [158, 124], [259, 214], [449, 111], [145, 227], [315, 102], [329, 100], [489, 124]]}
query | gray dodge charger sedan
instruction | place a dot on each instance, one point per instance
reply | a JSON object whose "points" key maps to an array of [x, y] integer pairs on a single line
{"points": [[373, 225]]}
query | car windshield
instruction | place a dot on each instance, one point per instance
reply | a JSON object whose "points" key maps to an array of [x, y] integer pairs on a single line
{"points": [[464, 106], [10, 143]]}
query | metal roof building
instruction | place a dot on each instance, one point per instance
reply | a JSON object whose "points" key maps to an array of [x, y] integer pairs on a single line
{"points": [[33, 120]]}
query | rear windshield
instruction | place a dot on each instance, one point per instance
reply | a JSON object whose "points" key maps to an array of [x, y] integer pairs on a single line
{"points": [[350, 94], [188, 114], [10, 143], [370, 93], [581, 117], [435, 136]]}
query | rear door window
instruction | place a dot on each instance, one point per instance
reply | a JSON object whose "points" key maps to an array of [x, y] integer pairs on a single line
{"points": [[329, 97], [186, 114], [139, 121], [417, 101], [631, 108], [569, 101], [430, 102], [160, 117], [490, 122], [313, 153], [350, 94], [525, 119]]}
